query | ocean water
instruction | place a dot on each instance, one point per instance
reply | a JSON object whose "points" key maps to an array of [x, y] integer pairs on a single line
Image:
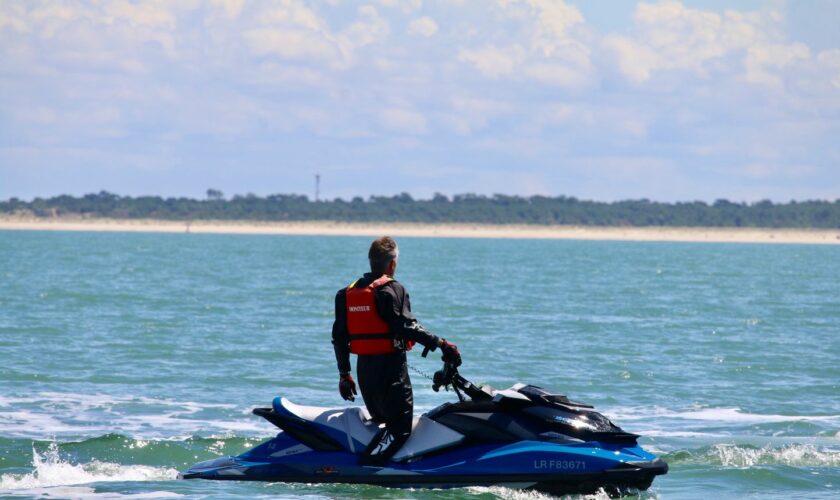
{"points": [[125, 358]]}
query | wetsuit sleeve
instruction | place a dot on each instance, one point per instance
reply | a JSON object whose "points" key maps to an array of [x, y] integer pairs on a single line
{"points": [[394, 307], [340, 337]]}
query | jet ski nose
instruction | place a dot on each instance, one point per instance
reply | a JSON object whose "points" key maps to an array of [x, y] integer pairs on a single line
{"points": [[209, 468], [656, 467]]}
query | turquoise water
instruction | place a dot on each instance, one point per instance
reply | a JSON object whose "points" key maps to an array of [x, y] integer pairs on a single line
{"points": [[127, 357]]}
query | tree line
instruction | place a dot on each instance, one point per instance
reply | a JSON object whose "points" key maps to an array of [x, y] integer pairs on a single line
{"points": [[465, 208]]}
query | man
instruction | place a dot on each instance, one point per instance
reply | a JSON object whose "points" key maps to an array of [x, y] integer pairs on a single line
{"points": [[373, 320]]}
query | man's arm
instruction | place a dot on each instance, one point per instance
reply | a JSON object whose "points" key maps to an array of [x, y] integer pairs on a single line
{"points": [[340, 337], [394, 306]]}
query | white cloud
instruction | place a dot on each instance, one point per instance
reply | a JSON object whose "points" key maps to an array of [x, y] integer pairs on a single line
{"points": [[315, 118], [639, 168], [553, 20], [403, 120], [829, 61], [484, 107], [669, 36], [40, 115], [616, 124], [556, 74], [97, 32], [291, 13], [527, 81], [422, 26], [404, 5], [761, 61], [492, 61], [636, 60], [57, 14], [290, 43], [292, 30], [14, 16], [765, 170], [284, 74], [232, 8], [152, 13], [544, 47], [470, 114], [370, 28]]}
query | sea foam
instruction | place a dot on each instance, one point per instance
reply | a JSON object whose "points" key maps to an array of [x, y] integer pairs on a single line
{"points": [[732, 415], [518, 494], [50, 470], [744, 456], [49, 414]]}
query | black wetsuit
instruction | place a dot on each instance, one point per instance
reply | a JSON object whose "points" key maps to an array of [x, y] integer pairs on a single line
{"points": [[383, 379]]}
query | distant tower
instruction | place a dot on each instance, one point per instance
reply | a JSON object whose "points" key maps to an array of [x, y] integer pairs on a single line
{"points": [[317, 186]]}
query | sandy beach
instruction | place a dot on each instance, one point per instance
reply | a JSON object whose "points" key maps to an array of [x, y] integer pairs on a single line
{"points": [[449, 230]]}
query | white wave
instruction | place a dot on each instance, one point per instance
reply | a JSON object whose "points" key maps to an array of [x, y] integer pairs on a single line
{"points": [[723, 415], [91, 401], [515, 494], [51, 471], [23, 423], [85, 492], [652, 433], [49, 414], [796, 455]]}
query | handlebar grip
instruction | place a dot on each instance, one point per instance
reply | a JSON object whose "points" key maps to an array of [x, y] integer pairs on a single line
{"points": [[425, 352]]}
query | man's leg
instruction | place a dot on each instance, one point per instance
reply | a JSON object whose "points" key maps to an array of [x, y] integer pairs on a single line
{"points": [[372, 375], [399, 414]]}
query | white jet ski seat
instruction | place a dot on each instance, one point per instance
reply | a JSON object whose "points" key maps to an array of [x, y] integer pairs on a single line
{"points": [[353, 428]]}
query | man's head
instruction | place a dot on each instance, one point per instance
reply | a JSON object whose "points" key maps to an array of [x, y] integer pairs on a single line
{"points": [[383, 255]]}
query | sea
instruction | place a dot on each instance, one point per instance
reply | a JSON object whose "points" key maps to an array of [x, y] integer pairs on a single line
{"points": [[127, 357]]}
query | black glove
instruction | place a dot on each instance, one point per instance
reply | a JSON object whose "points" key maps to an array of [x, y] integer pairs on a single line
{"points": [[346, 387], [450, 351]]}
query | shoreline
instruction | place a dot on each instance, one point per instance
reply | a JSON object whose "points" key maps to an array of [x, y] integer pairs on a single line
{"points": [[442, 230]]}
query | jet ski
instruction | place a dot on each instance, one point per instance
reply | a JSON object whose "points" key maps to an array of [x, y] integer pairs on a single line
{"points": [[522, 437]]}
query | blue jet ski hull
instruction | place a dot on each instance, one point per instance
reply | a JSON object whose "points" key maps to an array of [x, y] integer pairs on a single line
{"points": [[522, 437], [548, 467]]}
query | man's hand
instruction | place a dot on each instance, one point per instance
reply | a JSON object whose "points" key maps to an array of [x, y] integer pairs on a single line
{"points": [[450, 351], [346, 387]]}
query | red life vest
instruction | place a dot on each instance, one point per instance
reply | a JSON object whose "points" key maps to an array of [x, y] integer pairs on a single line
{"points": [[369, 333]]}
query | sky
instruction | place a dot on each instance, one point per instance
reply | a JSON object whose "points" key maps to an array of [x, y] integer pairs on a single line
{"points": [[604, 100]]}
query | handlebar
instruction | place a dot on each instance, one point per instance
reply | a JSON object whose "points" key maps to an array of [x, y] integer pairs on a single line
{"points": [[449, 376], [444, 377]]}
